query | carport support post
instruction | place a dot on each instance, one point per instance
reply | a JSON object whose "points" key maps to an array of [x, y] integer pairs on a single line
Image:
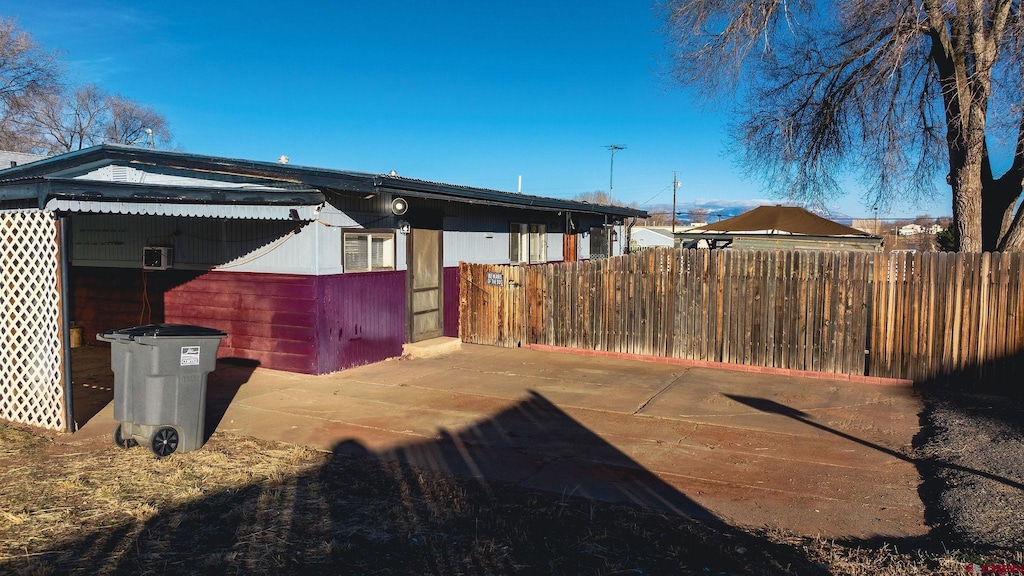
{"points": [[65, 319]]}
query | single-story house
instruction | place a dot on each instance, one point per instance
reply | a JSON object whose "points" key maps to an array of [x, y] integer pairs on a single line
{"points": [[12, 159], [779, 228], [306, 269], [641, 237]]}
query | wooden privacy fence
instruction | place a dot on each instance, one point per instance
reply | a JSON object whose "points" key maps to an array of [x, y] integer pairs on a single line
{"points": [[907, 316]]}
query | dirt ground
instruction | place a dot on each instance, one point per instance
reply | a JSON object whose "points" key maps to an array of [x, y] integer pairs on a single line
{"points": [[973, 447], [249, 506]]}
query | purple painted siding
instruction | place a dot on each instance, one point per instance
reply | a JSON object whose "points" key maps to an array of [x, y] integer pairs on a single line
{"points": [[361, 319], [451, 302]]}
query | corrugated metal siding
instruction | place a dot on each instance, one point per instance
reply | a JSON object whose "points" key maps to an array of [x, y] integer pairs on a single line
{"points": [[186, 210], [362, 318], [199, 243]]}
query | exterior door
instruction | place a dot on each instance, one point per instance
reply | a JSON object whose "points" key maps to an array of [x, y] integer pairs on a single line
{"points": [[569, 247], [425, 285]]}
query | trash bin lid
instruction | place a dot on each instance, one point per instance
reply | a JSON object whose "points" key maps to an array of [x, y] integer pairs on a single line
{"points": [[162, 330]]}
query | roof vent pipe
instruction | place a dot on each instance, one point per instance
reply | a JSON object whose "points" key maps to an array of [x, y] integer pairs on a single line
{"points": [[282, 159]]}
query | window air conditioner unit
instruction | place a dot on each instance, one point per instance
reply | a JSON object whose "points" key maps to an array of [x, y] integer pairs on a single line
{"points": [[156, 257]]}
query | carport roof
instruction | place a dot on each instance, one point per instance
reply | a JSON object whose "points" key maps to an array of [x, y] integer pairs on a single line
{"points": [[313, 180], [98, 196]]}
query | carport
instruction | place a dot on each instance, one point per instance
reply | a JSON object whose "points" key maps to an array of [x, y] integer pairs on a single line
{"points": [[38, 280]]}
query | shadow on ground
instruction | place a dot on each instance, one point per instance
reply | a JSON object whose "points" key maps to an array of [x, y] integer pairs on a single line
{"points": [[389, 513]]}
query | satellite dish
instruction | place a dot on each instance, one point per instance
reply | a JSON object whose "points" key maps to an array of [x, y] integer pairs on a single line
{"points": [[399, 206]]}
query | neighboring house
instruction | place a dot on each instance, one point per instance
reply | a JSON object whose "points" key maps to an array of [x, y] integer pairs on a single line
{"points": [[306, 269], [12, 159], [641, 237], [911, 230], [869, 225], [779, 228]]}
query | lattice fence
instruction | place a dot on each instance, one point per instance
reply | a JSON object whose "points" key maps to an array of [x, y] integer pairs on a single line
{"points": [[31, 350]]}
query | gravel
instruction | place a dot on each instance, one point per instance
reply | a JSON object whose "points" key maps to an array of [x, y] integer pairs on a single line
{"points": [[971, 451]]}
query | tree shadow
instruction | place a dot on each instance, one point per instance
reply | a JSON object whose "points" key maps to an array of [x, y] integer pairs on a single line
{"points": [[462, 503], [932, 469]]}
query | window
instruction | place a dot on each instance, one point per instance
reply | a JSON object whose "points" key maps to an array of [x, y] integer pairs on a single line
{"points": [[600, 242], [527, 243], [368, 251]]}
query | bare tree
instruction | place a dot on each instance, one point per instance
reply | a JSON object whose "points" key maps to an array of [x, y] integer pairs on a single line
{"points": [[904, 91], [698, 215], [595, 197], [67, 122], [27, 73], [132, 123]]}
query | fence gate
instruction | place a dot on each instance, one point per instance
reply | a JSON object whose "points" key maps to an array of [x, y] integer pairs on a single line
{"points": [[31, 340]]}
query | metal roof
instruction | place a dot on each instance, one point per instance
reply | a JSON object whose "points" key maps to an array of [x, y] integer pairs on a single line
{"points": [[322, 179], [97, 196]]}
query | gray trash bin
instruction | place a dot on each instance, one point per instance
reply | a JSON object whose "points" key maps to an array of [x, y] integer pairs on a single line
{"points": [[160, 384]]}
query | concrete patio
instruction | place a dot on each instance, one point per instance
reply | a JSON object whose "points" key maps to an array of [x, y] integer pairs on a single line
{"points": [[811, 456]]}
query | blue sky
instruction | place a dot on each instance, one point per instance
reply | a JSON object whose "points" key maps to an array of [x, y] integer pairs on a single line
{"points": [[471, 93]]}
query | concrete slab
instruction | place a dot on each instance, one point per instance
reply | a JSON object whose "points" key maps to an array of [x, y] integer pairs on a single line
{"points": [[812, 456], [430, 348]]}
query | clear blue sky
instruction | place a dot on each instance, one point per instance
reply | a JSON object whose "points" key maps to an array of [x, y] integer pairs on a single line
{"points": [[473, 93]]}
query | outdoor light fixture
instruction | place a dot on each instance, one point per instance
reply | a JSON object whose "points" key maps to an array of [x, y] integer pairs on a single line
{"points": [[399, 206]]}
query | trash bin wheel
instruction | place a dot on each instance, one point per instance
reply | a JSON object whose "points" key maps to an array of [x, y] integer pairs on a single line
{"points": [[164, 441], [121, 441]]}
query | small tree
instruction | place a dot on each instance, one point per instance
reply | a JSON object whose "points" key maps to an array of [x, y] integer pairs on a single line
{"points": [[947, 239]]}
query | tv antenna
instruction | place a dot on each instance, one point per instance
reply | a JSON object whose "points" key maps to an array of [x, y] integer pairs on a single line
{"points": [[611, 174]]}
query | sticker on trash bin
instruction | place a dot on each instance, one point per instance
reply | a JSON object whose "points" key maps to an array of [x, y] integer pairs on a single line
{"points": [[190, 355]]}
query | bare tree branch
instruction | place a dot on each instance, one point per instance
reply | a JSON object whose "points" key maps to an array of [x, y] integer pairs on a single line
{"points": [[901, 91]]}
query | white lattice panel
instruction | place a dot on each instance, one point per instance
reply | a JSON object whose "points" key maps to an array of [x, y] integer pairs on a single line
{"points": [[31, 354]]}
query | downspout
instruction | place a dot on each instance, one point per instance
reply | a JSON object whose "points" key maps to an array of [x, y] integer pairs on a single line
{"points": [[629, 234], [65, 313]]}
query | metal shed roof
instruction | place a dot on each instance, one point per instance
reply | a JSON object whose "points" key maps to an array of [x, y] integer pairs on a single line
{"points": [[320, 178]]}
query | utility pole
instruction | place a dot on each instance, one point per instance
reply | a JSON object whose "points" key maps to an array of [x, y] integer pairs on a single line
{"points": [[611, 174], [675, 186]]}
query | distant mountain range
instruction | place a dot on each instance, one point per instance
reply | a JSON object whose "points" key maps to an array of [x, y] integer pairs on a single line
{"points": [[723, 209]]}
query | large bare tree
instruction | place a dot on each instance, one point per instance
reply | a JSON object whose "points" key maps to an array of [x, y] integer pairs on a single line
{"points": [[65, 122], [904, 92], [39, 114], [27, 73], [132, 123]]}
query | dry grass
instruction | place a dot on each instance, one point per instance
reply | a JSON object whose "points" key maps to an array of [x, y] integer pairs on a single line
{"points": [[248, 506]]}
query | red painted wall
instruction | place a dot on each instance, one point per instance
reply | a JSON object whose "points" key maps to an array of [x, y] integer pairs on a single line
{"points": [[308, 324]]}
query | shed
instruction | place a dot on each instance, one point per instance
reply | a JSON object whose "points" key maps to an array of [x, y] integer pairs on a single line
{"points": [[306, 269], [779, 228]]}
